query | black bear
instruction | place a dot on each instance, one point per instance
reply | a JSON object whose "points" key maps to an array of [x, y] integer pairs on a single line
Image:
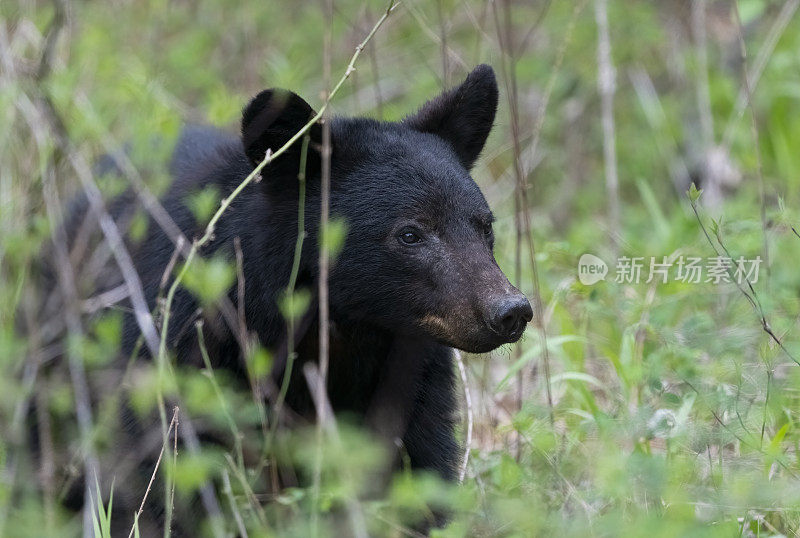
{"points": [[416, 275]]}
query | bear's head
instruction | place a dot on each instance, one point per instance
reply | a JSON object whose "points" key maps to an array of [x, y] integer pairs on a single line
{"points": [[418, 256]]}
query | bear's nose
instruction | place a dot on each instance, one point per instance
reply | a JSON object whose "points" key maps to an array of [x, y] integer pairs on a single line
{"points": [[510, 317]]}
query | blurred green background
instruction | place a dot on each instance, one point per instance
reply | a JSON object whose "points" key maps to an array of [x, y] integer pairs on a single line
{"points": [[670, 410]]}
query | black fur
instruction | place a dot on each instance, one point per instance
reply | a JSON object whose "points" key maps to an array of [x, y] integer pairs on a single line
{"points": [[396, 309]]}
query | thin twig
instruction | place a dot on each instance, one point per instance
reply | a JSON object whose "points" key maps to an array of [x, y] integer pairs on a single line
{"points": [[754, 76], [323, 265], [251, 497], [521, 206], [171, 481], [468, 401], [702, 87], [742, 440], [507, 49], [66, 276], [109, 228], [237, 436], [207, 494], [121, 160], [710, 176], [553, 78], [105, 299], [657, 118], [325, 194], [373, 62], [208, 234], [173, 260], [751, 296], [270, 156], [240, 290], [47, 470], [314, 380], [172, 425], [754, 133], [419, 17], [237, 516], [290, 288], [64, 268], [528, 229], [159, 215], [48, 113], [443, 45], [606, 86]]}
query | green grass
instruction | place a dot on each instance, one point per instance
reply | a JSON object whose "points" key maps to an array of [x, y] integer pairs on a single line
{"points": [[674, 413]]}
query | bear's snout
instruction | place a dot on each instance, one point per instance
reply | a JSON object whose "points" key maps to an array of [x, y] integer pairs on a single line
{"points": [[509, 317]]}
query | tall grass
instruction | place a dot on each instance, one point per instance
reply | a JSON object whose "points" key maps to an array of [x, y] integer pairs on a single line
{"points": [[631, 408]]}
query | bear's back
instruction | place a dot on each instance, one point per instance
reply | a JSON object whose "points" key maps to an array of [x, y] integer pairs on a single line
{"points": [[201, 153]]}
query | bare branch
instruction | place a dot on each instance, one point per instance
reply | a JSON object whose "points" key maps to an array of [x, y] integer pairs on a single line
{"points": [[237, 516], [226, 202], [754, 76], [468, 401], [66, 276], [754, 133], [314, 380], [172, 425], [606, 87], [207, 495]]}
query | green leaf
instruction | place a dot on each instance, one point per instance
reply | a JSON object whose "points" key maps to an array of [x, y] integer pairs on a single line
{"points": [[191, 470], [209, 279], [108, 329], [294, 306], [694, 193], [203, 203], [137, 230], [260, 363], [774, 448], [554, 344], [333, 236], [578, 376], [101, 517], [654, 208]]}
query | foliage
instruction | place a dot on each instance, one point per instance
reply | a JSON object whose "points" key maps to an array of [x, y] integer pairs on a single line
{"points": [[674, 412]]}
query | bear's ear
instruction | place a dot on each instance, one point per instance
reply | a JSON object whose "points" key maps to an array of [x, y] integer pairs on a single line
{"points": [[271, 119], [463, 115]]}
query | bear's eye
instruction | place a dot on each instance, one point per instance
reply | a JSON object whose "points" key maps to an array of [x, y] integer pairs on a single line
{"points": [[409, 237], [487, 228]]}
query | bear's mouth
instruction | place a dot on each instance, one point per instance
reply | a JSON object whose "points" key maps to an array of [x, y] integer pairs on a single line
{"points": [[482, 346], [475, 337]]}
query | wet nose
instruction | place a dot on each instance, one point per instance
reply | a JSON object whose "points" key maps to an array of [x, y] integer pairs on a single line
{"points": [[510, 317]]}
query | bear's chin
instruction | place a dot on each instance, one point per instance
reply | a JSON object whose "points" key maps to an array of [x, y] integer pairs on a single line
{"points": [[479, 346]]}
